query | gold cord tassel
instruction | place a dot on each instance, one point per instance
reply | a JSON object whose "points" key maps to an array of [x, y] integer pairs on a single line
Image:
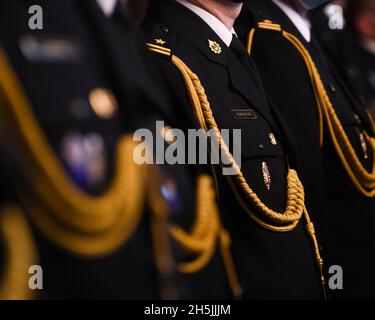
{"points": [[225, 243], [205, 234], [274, 221], [319, 260]]}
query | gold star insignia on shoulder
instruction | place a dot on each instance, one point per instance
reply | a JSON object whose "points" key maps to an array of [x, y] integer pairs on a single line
{"points": [[160, 41], [214, 46]]}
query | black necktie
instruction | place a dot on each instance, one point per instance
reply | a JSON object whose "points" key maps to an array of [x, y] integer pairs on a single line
{"points": [[240, 51], [119, 11]]}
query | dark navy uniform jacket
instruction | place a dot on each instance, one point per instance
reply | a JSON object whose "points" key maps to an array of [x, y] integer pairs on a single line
{"points": [[349, 216], [270, 265], [354, 62], [79, 50]]}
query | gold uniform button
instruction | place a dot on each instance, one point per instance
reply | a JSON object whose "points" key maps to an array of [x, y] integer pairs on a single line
{"points": [[272, 138], [357, 118], [164, 28], [332, 88], [103, 102]]}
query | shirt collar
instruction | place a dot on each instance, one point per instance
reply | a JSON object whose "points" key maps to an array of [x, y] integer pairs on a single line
{"points": [[220, 29], [107, 6], [302, 23]]}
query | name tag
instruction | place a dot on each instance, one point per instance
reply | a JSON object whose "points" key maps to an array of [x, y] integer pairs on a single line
{"points": [[244, 114], [50, 48]]}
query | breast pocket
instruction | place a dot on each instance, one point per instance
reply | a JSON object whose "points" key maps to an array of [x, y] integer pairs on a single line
{"points": [[263, 160]]}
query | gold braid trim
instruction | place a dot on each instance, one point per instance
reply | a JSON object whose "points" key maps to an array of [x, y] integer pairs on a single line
{"points": [[295, 209], [204, 234], [363, 180], [78, 222], [295, 202], [281, 222], [201, 240], [20, 254], [207, 228]]}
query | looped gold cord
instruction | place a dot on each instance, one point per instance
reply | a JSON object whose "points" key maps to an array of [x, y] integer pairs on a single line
{"points": [[310, 228], [78, 222], [203, 236], [275, 221], [363, 180], [295, 208], [206, 231], [20, 254], [161, 236]]}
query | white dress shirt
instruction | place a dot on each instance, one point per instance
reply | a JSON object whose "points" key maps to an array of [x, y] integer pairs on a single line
{"points": [[216, 25], [108, 6], [302, 23]]}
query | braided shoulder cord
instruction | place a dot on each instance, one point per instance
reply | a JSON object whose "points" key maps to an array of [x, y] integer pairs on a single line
{"points": [[295, 193], [282, 222], [84, 224], [204, 235], [363, 180]]}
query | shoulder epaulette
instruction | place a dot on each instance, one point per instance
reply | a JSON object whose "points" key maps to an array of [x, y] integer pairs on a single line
{"points": [[269, 25], [159, 49], [160, 39]]}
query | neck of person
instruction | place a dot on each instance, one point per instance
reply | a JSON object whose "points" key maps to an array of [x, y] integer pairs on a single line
{"points": [[224, 10]]}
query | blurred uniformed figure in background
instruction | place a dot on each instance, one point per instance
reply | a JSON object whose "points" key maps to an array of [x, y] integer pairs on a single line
{"points": [[73, 200], [321, 113], [137, 9], [215, 86], [351, 48]]}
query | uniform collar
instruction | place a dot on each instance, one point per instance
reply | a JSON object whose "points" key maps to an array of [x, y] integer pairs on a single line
{"points": [[190, 27], [215, 24], [301, 23], [107, 6]]}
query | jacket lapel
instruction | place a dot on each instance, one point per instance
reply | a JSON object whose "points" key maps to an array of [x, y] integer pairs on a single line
{"points": [[198, 33], [246, 84]]}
